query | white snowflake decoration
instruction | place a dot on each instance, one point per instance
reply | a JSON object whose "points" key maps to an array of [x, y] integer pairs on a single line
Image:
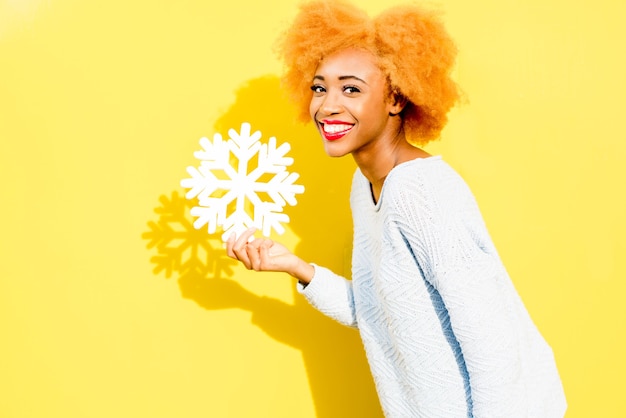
{"points": [[217, 195]]}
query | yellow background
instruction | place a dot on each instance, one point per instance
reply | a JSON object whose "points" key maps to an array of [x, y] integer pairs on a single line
{"points": [[102, 104]]}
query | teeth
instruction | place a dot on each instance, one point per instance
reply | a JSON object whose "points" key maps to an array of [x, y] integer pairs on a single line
{"points": [[334, 128]]}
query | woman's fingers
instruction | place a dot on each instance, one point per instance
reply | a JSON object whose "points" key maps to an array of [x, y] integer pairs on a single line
{"points": [[264, 253], [236, 247], [244, 238], [230, 243], [261, 254], [253, 249], [257, 256]]}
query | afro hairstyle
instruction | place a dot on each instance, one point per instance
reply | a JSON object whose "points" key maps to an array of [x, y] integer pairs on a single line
{"points": [[412, 47]]}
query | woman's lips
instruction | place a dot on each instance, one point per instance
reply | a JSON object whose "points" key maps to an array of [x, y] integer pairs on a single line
{"points": [[334, 130]]}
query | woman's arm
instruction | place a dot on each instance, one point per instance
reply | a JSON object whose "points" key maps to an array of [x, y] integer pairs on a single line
{"points": [[475, 289], [328, 292]]}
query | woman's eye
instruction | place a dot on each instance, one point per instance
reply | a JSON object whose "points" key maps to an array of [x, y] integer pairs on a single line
{"points": [[351, 89], [316, 88]]}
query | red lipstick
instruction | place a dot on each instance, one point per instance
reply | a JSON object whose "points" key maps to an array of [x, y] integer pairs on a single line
{"points": [[334, 129]]}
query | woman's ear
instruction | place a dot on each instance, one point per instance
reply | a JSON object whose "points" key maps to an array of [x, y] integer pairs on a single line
{"points": [[398, 102]]}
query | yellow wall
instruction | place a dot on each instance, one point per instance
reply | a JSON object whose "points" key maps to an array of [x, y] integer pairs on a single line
{"points": [[102, 104]]}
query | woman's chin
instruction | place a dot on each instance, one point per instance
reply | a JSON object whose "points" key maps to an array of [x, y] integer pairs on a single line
{"points": [[334, 151]]}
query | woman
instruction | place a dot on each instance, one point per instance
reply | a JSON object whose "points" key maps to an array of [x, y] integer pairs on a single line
{"points": [[445, 332]]}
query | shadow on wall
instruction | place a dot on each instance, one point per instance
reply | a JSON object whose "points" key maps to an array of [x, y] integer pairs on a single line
{"points": [[337, 369]]}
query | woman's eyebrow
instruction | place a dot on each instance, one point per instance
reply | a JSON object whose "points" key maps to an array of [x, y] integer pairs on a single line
{"points": [[351, 77], [341, 78]]}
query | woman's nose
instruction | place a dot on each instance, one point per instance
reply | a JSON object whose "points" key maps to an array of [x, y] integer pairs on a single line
{"points": [[331, 104]]}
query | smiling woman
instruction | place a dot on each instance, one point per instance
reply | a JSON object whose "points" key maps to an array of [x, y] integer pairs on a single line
{"points": [[411, 46], [351, 97], [101, 107], [445, 331]]}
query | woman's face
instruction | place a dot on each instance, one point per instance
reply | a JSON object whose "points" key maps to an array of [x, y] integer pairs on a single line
{"points": [[351, 103]]}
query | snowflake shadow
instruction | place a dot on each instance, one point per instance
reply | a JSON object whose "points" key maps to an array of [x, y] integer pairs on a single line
{"points": [[182, 249], [332, 354]]}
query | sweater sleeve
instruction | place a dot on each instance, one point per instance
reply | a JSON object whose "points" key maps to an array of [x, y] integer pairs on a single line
{"points": [[445, 233], [331, 294]]}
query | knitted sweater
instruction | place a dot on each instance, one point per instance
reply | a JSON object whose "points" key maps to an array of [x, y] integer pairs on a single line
{"points": [[444, 330]]}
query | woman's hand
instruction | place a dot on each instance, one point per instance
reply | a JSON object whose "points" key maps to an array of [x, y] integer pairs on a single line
{"points": [[263, 254]]}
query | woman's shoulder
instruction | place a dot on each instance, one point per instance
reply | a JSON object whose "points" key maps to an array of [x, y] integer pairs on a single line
{"points": [[419, 171], [430, 178]]}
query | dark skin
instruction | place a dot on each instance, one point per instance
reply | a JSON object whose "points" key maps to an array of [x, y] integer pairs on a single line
{"points": [[356, 113]]}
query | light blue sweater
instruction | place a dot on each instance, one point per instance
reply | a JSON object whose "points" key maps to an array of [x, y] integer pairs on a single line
{"points": [[445, 332]]}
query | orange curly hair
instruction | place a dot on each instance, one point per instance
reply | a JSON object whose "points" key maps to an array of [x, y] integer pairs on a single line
{"points": [[412, 46]]}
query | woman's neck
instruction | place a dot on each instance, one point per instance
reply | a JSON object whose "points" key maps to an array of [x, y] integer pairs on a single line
{"points": [[377, 162]]}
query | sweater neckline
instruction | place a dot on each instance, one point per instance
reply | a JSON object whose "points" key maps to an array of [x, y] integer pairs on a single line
{"points": [[400, 167]]}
